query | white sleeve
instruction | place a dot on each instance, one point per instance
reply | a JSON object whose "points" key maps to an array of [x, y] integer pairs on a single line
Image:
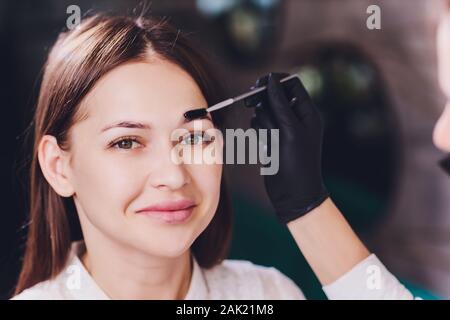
{"points": [[368, 280]]}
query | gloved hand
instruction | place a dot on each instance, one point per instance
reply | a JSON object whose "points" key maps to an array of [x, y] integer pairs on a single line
{"points": [[298, 187]]}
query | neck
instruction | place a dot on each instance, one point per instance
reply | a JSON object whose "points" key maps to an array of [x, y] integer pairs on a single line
{"points": [[126, 273]]}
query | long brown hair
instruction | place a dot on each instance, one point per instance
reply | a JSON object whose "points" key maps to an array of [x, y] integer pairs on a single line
{"points": [[76, 62]]}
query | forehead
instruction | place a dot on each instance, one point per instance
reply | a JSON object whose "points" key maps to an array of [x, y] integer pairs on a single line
{"points": [[158, 89]]}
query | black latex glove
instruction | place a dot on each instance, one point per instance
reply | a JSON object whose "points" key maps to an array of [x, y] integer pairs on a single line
{"points": [[298, 187]]}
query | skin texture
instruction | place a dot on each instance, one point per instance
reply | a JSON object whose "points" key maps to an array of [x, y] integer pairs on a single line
{"points": [[441, 136], [323, 235], [130, 255]]}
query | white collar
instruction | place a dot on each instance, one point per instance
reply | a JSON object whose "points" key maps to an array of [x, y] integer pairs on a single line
{"points": [[89, 290]]}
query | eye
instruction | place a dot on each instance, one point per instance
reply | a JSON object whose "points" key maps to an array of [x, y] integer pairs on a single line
{"points": [[194, 138], [124, 143]]}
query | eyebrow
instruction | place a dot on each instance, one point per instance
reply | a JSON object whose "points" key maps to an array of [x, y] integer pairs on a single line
{"points": [[206, 116], [140, 125], [126, 124]]}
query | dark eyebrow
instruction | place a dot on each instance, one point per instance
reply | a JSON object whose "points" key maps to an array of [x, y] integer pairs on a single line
{"points": [[139, 125], [206, 116], [127, 124]]}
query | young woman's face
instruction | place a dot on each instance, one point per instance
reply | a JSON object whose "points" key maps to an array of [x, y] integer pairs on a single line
{"points": [[113, 180], [441, 135]]}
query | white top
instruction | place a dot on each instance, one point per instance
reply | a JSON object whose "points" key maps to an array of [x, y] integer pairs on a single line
{"points": [[231, 279], [368, 280]]}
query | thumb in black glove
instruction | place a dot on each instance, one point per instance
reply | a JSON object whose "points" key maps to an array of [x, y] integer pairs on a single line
{"points": [[297, 187]]}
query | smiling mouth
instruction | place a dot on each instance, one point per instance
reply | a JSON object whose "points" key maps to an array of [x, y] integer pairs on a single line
{"points": [[171, 217], [169, 212]]}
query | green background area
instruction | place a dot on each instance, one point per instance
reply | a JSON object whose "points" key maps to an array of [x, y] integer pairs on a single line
{"points": [[260, 238]]}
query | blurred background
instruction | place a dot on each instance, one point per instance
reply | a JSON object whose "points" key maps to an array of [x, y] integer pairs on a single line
{"points": [[377, 91]]}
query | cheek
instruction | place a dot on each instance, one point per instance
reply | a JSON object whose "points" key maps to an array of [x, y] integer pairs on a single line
{"points": [[441, 134], [207, 179], [105, 183]]}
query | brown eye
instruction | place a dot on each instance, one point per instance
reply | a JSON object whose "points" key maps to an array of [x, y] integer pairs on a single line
{"points": [[196, 138], [126, 143]]}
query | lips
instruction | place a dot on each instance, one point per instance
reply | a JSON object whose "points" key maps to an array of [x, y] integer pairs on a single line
{"points": [[169, 206], [169, 211]]}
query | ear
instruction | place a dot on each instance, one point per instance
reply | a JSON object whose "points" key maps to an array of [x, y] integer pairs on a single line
{"points": [[54, 165]]}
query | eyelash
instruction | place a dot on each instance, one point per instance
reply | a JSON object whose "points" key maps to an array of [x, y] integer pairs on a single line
{"points": [[203, 135], [115, 143]]}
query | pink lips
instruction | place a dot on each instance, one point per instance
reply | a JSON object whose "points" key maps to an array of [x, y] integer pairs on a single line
{"points": [[170, 211]]}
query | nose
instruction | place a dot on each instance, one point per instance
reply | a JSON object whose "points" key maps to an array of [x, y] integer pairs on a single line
{"points": [[166, 173]]}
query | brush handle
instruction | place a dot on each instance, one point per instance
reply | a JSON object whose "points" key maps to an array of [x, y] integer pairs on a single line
{"points": [[220, 105], [259, 89], [230, 101]]}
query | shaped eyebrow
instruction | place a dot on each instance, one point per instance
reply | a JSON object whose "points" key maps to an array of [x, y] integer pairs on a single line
{"points": [[145, 126], [127, 124], [207, 116]]}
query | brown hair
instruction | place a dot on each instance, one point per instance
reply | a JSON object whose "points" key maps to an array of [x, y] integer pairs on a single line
{"points": [[76, 62]]}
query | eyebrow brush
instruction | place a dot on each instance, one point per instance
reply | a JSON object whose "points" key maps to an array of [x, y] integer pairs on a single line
{"points": [[197, 113]]}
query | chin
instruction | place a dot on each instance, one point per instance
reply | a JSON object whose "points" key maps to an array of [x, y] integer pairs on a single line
{"points": [[174, 251], [170, 245]]}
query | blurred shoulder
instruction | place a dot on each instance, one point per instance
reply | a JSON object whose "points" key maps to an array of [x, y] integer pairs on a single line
{"points": [[240, 279]]}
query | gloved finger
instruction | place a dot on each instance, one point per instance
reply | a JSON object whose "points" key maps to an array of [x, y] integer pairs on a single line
{"points": [[254, 123], [307, 113], [288, 88], [256, 101], [303, 105], [264, 80], [295, 88], [260, 99], [278, 102], [265, 119], [263, 139], [304, 108]]}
